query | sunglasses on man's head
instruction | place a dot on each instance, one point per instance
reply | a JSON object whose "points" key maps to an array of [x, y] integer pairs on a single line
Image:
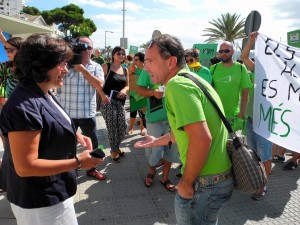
{"points": [[189, 60], [171, 49], [224, 51]]}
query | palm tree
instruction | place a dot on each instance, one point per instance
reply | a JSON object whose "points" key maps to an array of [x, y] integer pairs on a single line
{"points": [[144, 46], [226, 28], [106, 52]]}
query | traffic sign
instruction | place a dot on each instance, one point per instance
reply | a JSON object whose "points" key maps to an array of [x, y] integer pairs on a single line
{"points": [[253, 22]]}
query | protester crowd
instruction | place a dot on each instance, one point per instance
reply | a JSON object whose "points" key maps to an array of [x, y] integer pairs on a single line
{"points": [[45, 98]]}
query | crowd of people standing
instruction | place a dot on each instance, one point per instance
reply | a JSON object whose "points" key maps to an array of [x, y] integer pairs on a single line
{"points": [[47, 123]]}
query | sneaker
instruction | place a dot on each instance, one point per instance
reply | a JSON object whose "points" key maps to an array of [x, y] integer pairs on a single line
{"points": [[290, 166], [278, 158], [260, 194], [96, 174]]}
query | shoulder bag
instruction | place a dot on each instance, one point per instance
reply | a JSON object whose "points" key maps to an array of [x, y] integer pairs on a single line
{"points": [[248, 170]]}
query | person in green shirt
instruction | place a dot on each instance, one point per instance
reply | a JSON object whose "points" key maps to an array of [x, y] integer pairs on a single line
{"points": [[207, 182], [136, 101], [192, 60], [231, 81], [98, 58], [157, 125]]}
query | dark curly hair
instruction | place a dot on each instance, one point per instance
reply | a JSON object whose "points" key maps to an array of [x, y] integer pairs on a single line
{"points": [[193, 52], [16, 42], [141, 56], [117, 49], [39, 54]]}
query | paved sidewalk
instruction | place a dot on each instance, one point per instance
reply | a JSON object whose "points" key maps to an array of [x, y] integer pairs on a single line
{"points": [[124, 200]]}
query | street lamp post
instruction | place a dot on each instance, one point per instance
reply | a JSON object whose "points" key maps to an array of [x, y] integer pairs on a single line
{"points": [[105, 40], [105, 37]]}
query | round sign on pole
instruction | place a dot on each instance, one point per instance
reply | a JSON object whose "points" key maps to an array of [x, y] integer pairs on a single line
{"points": [[253, 22], [156, 33]]}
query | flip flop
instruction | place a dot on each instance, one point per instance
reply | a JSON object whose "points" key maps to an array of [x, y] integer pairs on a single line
{"points": [[115, 159], [150, 176], [121, 153], [168, 185], [129, 132]]}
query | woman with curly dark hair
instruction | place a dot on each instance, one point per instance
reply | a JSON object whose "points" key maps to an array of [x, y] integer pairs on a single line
{"points": [[40, 140]]}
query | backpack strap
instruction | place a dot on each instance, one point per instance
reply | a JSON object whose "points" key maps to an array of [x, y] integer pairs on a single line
{"points": [[215, 67]]}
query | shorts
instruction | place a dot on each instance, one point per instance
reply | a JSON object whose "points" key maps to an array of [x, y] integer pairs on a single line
{"points": [[262, 146], [154, 154]]}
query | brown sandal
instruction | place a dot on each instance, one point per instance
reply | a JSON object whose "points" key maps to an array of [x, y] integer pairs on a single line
{"points": [[150, 176], [168, 185]]}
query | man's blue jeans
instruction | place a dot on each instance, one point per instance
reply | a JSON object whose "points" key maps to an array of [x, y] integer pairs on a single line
{"points": [[204, 207]]}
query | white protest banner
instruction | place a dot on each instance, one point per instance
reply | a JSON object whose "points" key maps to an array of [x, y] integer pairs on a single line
{"points": [[277, 92]]}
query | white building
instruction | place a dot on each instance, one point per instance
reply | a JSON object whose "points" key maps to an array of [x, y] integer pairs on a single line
{"points": [[11, 7]]}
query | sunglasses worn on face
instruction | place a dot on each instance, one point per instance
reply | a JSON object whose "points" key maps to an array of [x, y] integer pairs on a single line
{"points": [[10, 50], [189, 60], [224, 51], [136, 59], [89, 48], [120, 53]]}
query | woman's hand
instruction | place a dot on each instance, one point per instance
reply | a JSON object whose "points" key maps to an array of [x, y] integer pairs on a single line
{"points": [[87, 161], [122, 94]]}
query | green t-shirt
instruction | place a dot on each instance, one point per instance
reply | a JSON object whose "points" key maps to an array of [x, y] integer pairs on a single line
{"points": [[204, 73], [187, 104], [228, 83], [145, 81], [136, 72], [98, 60]]}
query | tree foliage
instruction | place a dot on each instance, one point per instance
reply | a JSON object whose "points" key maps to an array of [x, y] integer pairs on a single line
{"points": [[226, 28], [144, 46], [31, 11], [69, 17]]}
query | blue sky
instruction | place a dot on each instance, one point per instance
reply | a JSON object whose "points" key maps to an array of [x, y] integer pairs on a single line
{"points": [[185, 19]]}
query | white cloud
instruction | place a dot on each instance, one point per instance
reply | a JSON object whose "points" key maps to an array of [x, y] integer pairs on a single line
{"points": [[117, 5]]}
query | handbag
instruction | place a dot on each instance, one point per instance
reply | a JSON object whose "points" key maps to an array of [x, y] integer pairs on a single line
{"points": [[248, 170], [156, 110]]}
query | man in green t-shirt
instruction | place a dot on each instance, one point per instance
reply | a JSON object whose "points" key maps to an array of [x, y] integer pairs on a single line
{"points": [[198, 131], [232, 82], [157, 125], [98, 58]]}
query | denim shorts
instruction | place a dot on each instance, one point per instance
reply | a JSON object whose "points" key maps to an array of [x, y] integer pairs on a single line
{"points": [[262, 146], [204, 207], [154, 154]]}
